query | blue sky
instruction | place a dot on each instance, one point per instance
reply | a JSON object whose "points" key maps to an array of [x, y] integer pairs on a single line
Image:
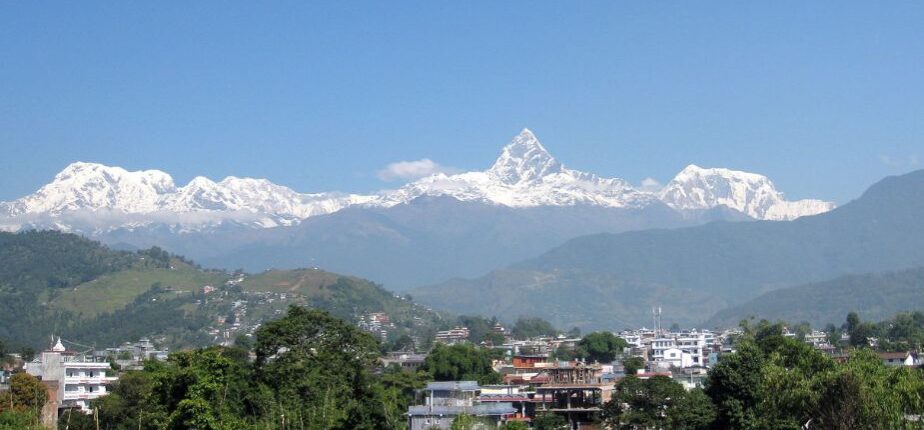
{"points": [[823, 97]]}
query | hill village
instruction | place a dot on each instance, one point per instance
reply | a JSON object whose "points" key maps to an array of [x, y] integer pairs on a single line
{"points": [[537, 377]]}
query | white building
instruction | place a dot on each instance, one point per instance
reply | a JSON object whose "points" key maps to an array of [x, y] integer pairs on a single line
{"points": [[78, 381]]}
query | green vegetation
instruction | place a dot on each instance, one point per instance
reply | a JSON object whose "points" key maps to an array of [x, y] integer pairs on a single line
{"points": [[62, 284], [600, 347], [776, 382], [460, 362], [655, 403], [21, 405], [312, 371], [526, 328], [114, 291]]}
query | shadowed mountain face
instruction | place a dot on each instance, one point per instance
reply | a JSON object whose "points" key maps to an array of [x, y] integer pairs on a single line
{"points": [[876, 296], [426, 241], [610, 280]]}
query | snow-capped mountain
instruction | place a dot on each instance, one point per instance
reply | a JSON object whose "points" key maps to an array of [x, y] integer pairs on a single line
{"points": [[696, 188], [524, 175]]}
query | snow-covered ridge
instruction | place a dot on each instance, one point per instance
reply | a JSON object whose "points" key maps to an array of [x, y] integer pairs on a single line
{"points": [[524, 175], [752, 194]]}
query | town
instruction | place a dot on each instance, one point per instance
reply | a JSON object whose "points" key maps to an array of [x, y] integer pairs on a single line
{"points": [[558, 379]]}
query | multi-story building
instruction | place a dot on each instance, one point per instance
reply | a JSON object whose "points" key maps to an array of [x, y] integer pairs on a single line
{"points": [[576, 391], [78, 380], [454, 336], [444, 401]]}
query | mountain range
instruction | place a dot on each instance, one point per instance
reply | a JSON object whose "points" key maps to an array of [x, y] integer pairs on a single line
{"points": [[524, 175], [427, 231], [613, 280]]}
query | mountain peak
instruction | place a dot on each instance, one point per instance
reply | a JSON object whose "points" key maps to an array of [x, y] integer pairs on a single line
{"points": [[524, 159], [697, 188]]}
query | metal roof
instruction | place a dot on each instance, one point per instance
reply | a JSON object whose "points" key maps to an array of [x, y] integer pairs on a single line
{"points": [[453, 386], [477, 410]]}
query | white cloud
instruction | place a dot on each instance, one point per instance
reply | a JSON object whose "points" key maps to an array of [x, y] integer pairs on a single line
{"points": [[651, 185], [912, 161], [410, 170]]}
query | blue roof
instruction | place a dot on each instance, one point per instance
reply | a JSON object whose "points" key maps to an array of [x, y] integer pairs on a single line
{"points": [[477, 410], [453, 386]]}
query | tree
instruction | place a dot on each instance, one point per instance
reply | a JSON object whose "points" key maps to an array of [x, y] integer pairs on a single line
{"points": [[467, 422], [735, 386], [399, 389], [852, 322], [26, 394], [16, 420], [316, 368], [550, 421], [633, 364], [460, 362], [601, 346], [514, 425], [27, 353], [76, 420], [526, 328], [655, 403]]}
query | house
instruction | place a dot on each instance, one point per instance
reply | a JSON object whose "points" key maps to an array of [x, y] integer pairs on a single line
{"points": [[895, 359], [78, 380], [444, 401]]}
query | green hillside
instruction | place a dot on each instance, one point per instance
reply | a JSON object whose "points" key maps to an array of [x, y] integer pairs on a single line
{"points": [[63, 284], [114, 291], [877, 296]]}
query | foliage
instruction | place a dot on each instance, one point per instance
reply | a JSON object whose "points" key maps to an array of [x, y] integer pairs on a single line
{"points": [[460, 362], [71, 419], [514, 425], [526, 328], [601, 346], [318, 368], [550, 421], [312, 371], [17, 420], [633, 364], [26, 394], [656, 403], [775, 382]]}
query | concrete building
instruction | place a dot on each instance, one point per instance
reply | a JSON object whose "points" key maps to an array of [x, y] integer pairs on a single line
{"points": [[78, 380], [444, 401]]}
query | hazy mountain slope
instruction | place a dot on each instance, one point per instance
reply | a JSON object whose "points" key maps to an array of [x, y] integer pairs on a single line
{"points": [[875, 296], [726, 263], [425, 241]]}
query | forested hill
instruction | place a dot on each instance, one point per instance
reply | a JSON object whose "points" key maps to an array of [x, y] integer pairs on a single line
{"points": [[64, 284], [878, 296], [614, 279]]}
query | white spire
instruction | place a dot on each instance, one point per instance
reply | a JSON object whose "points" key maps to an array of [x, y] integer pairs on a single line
{"points": [[524, 159], [59, 347]]}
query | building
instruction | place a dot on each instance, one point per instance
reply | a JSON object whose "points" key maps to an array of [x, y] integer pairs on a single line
{"points": [[896, 359], [444, 401], [78, 379], [452, 337], [408, 361], [575, 391]]}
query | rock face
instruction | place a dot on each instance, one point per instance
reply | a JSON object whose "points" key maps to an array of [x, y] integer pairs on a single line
{"points": [[524, 175]]}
